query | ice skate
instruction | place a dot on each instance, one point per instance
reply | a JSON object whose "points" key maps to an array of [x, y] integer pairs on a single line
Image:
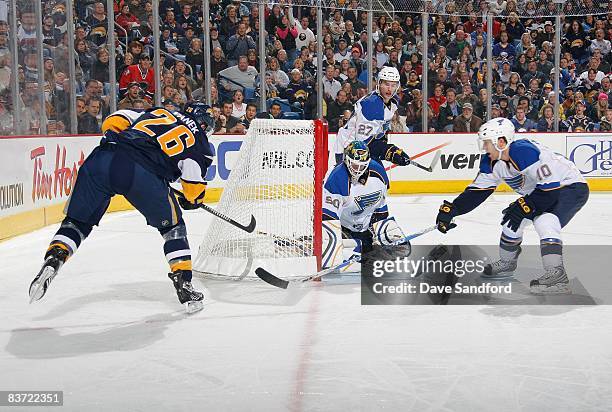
{"points": [[554, 281], [192, 299], [54, 259], [502, 268]]}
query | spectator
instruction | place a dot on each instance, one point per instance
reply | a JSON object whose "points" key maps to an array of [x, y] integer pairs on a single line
{"points": [[467, 122], [304, 33], [183, 90], [448, 111], [239, 107], [276, 111], [239, 76], [88, 122], [287, 33], [84, 56], [546, 123], [496, 111], [336, 25], [298, 91], [278, 76], [125, 19], [436, 100], [134, 93], [99, 69], [522, 123], [579, 122], [414, 112], [455, 47], [249, 115], [335, 110], [576, 42], [533, 73], [331, 86], [598, 110], [605, 124], [140, 73], [232, 123], [600, 43], [239, 45], [504, 46]]}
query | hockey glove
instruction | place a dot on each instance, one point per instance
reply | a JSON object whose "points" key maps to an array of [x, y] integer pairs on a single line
{"points": [[397, 156], [445, 216], [192, 196], [522, 208]]}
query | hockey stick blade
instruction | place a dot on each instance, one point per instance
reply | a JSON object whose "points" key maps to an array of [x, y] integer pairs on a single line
{"points": [[433, 164], [248, 228], [283, 284]]}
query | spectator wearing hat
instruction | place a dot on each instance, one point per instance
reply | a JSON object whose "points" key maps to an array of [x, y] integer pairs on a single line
{"points": [[522, 123], [134, 93], [467, 121], [51, 34], [496, 111], [598, 110], [139, 73], [298, 90], [184, 43], [479, 31], [343, 51], [168, 41], [579, 122], [356, 60], [448, 111]]}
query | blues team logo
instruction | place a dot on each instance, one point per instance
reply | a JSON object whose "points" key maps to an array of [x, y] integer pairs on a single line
{"points": [[367, 200]]}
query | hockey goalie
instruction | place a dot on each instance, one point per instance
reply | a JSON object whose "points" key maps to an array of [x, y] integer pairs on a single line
{"points": [[355, 212]]}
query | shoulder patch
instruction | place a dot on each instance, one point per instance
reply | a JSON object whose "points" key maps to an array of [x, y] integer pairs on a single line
{"points": [[338, 181], [372, 107], [486, 165], [523, 154]]}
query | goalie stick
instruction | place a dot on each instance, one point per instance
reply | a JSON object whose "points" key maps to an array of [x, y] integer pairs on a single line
{"points": [[248, 228], [283, 284], [433, 164]]}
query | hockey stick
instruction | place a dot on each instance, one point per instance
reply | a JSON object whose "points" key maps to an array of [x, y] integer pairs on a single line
{"points": [[433, 164], [416, 156], [283, 284], [249, 228]]}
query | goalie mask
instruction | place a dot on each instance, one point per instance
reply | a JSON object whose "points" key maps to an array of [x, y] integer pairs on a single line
{"points": [[493, 130], [356, 158]]}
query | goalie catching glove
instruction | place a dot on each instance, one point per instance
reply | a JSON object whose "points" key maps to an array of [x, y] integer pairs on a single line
{"points": [[397, 156], [192, 196]]}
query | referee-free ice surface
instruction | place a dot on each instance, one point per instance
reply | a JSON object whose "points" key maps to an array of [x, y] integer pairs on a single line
{"points": [[111, 334]]}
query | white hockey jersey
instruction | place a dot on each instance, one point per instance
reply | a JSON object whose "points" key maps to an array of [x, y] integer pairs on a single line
{"points": [[370, 120], [354, 203], [531, 166]]}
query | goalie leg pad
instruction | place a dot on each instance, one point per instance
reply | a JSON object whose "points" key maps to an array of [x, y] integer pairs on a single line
{"points": [[387, 232], [337, 248]]}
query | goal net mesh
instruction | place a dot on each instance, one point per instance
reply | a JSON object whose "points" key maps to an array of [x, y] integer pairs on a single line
{"points": [[273, 180]]}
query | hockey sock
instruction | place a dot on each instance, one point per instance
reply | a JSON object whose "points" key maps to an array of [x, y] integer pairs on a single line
{"points": [[509, 247], [70, 235], [176, 249], [552, 252]]}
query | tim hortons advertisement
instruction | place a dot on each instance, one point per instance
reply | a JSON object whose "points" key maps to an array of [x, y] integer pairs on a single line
{"points": [[592, 154], [37, 172]]}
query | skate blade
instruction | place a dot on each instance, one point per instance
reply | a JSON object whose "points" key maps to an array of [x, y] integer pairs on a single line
{"points": [[37, 289], [193, 306], [557, 290], [499, 276]]}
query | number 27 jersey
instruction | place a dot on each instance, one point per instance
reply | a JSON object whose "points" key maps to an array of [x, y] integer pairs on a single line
{"points": [[169, 144]]}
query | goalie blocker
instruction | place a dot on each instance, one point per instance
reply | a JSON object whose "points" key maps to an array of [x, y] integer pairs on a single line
{"points": [[355, 213]]}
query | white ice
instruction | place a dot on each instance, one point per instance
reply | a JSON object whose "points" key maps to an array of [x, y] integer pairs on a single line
{"points": [[111, 334]]}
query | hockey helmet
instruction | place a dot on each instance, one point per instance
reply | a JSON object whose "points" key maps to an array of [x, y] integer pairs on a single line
{"points": [[202, 114], [357, 158], [493, 130], [389, 74]]}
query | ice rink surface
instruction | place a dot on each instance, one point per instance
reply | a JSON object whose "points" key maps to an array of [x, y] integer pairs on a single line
{"points": [[111, 334]]}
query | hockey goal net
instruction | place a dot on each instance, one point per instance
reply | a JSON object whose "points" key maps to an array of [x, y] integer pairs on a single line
{"points": [[278, 179]]}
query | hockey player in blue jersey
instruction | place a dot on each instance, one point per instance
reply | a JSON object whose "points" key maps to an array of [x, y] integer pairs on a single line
{"points": [[139, 155], [552, 191], [371, 121], [354, 207]]}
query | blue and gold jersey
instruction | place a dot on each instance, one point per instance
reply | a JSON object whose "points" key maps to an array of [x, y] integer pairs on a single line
{"points": [[169, 144]]}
